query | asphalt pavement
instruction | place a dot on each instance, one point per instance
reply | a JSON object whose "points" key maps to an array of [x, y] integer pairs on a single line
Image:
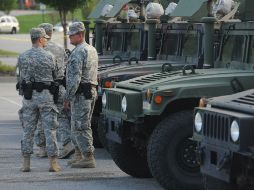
{"points": [[106, 175]]}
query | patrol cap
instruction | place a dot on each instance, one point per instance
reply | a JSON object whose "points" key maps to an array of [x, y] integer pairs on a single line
{"points": [[76, 27], [47, 27], [38, 33]]}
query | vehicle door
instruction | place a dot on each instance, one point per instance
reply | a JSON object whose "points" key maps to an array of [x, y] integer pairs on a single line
{"points": [[9, 24]]}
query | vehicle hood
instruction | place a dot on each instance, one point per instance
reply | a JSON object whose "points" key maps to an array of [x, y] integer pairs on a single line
{"points": [[242, 102], [176, 79]]}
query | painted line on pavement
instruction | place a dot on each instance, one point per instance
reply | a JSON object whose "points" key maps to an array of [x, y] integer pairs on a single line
{"points": [[9, 100]]}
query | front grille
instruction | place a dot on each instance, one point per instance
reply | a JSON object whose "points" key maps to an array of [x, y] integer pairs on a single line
{"points": [[216, 126], [114, 101]]}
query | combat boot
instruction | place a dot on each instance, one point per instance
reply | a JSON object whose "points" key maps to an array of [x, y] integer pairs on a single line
{"points": [[42, 153], [67, 151], [77, 156], [26, 164], [54, 166], [87, 162]]}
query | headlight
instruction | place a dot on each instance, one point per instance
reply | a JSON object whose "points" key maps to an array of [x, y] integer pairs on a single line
{"points": [[198, 122], [104, 100], [124, 104], [234, 131]]}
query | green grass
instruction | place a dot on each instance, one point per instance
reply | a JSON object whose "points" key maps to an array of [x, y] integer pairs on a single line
{"points": [[26, 22], [6, 68], [4, 53]]}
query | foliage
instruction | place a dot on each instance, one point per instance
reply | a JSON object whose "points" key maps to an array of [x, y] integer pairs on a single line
{"points": [[88, 7], [7, 5], [4, 53], [6, 68], [26, 22]]}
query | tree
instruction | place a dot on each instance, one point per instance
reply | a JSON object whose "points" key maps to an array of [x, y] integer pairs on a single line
{"points": [[87, 7], [63, 7], [7, 5]]}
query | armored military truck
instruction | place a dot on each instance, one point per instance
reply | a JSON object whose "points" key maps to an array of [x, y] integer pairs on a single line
{"points": [[169, 43], [174, 52], [224, 131], [149, 119], [116, 41]]}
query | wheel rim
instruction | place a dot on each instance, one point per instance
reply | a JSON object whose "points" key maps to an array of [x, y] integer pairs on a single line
{"points": [[186, 156]]}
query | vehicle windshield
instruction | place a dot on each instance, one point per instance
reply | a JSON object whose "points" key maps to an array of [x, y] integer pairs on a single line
{"points": [[113, 42], [190, 45], [251, 56], [233, 49], [169, 44], [132, 41]]}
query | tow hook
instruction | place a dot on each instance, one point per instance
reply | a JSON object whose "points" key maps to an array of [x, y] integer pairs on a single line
{"points": [[224, 161]]}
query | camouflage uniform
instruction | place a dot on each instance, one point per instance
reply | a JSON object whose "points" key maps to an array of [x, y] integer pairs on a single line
{"points": [[64, 130], [37, 65], [81, 68]]}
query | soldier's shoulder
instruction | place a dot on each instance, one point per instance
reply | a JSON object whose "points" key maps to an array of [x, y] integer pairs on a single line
{"points": [[25, 53]]}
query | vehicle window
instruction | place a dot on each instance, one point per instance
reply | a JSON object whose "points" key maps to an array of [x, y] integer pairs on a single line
{"points": [[8, 19], [169, 44], [190, 45], [132, 41], [2, 20], [233, 49], [251, 55], [115, 41]]}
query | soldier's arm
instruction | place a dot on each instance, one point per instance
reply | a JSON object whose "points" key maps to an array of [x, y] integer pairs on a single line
{"points": [[73, 76]]}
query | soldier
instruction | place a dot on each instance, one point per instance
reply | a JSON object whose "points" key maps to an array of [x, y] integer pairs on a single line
{"points": [[37, 72], [81, 82], [64, 130]]}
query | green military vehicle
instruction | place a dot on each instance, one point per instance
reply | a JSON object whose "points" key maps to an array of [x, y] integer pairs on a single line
{"points": [[149, 119], [172, 55], [116, 41], [224, 131]]}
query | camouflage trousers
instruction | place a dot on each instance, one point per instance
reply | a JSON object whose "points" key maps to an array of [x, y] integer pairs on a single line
{"points": [[41, 105], [64, 129], [81, 115]]}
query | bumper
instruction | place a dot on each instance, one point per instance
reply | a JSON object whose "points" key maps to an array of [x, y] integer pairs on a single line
{"points": [[216, 162], [114, 126]]}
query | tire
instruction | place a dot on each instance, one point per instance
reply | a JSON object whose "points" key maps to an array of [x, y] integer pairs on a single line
{"points": [[101, 131], [129, 160], [171, 153], [13, 31], [96, 140], [211, 183]]}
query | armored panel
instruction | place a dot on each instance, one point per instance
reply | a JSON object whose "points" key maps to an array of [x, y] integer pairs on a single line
{"points": [[192, 10], [246, 10], [96, 13]]}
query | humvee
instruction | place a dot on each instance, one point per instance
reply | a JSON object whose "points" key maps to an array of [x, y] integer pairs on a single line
{"points": [[151, 37], [148, 119], [115, 41], [224, 131]]}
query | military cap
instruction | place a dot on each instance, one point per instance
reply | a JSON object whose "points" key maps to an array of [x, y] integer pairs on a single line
{"points": [[76, 27], [38, 33], [47, 27]]}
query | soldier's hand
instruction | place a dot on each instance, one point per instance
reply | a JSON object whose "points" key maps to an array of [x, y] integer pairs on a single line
{"points": [[66, 105]]}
